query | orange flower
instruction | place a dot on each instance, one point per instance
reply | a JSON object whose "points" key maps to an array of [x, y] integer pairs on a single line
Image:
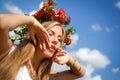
{"points": [[46, 5], [68, 40]]}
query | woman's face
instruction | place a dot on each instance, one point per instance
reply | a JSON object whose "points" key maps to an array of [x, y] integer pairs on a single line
{"points": [[55, 34]]}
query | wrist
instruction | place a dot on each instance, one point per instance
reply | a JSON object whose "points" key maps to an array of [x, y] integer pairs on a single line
{"points": [[71, 61], [31, 20]]}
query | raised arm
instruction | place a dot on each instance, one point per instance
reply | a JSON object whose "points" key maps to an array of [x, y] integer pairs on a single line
{"points": [[10, 21], [76, 68]]}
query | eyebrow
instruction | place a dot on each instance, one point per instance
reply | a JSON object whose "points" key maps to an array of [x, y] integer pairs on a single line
{"points": [[54, 33]]}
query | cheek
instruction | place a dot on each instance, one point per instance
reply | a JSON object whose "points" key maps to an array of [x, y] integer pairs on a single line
{"points": [[58, 45], [51, 38]]}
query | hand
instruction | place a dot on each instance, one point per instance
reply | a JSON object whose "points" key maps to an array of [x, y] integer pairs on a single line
{"points": [[61, 57], [42, 43], [36, 31]]}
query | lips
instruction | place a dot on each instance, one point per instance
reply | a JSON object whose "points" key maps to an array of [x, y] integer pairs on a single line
{"points": [[52, 48]]}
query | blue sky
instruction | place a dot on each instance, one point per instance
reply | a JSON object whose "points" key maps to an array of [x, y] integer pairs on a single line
{"points": [[97, 42]]}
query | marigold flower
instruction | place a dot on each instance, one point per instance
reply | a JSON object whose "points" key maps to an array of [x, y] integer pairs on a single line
{"points": [[46, 5], [68, 40]]}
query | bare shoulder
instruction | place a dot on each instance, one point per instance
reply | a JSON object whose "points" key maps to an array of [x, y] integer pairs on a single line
{"points": [[63, 75]]}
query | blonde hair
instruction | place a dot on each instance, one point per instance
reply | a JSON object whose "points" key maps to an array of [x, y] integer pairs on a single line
{"points": [[11, 63]]}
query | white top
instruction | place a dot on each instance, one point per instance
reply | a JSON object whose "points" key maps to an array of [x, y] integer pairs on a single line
{"points": [[23, 73]]}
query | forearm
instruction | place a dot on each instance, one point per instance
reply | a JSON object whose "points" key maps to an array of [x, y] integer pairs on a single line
{"points": [[11, 21], [76, 71], [76, 67]]}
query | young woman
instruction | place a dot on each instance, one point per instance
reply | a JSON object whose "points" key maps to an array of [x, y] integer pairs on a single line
{"points": [[32, 59]]}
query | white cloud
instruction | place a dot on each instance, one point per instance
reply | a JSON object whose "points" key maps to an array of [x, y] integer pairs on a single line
{"points": [[13, 9], [89, 71], [40, 5], [92, 60], [32, 12], [108, 29], [93, 57], [115, 70], [74, 38], [96, 27], [97, 77], [117, 4]]}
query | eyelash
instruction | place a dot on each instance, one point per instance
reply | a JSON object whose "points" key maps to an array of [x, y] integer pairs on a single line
{"points": [[59, 39], [50, 33]]}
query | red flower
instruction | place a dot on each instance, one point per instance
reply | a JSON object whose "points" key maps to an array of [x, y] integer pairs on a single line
{"points": [[39, 14], [50, 2], [68, 40], [52, 13], [62, 15]]}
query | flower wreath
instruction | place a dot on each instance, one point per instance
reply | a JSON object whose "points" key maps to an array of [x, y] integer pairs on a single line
{"points": [[48, 13]]}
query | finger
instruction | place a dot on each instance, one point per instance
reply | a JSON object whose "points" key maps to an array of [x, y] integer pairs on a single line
{"points": [[33, 39], [58, 60], [60, 53], [45, 33], [47, 40], [39, 43], [43, 43], [61, 62], [42, 31], [54, 59], [60, 50]]}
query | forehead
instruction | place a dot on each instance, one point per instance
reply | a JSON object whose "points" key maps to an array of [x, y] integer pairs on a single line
{"points": [[57, 29]]}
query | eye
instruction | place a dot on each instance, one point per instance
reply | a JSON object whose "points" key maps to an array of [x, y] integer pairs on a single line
{"points": [[59, 38], [50, 33]]}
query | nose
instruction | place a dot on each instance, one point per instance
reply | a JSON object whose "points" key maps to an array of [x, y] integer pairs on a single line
{"points": [[55, 40]]}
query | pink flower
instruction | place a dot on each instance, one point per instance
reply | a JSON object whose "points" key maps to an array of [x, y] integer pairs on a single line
{"points": [[62, 15]]}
